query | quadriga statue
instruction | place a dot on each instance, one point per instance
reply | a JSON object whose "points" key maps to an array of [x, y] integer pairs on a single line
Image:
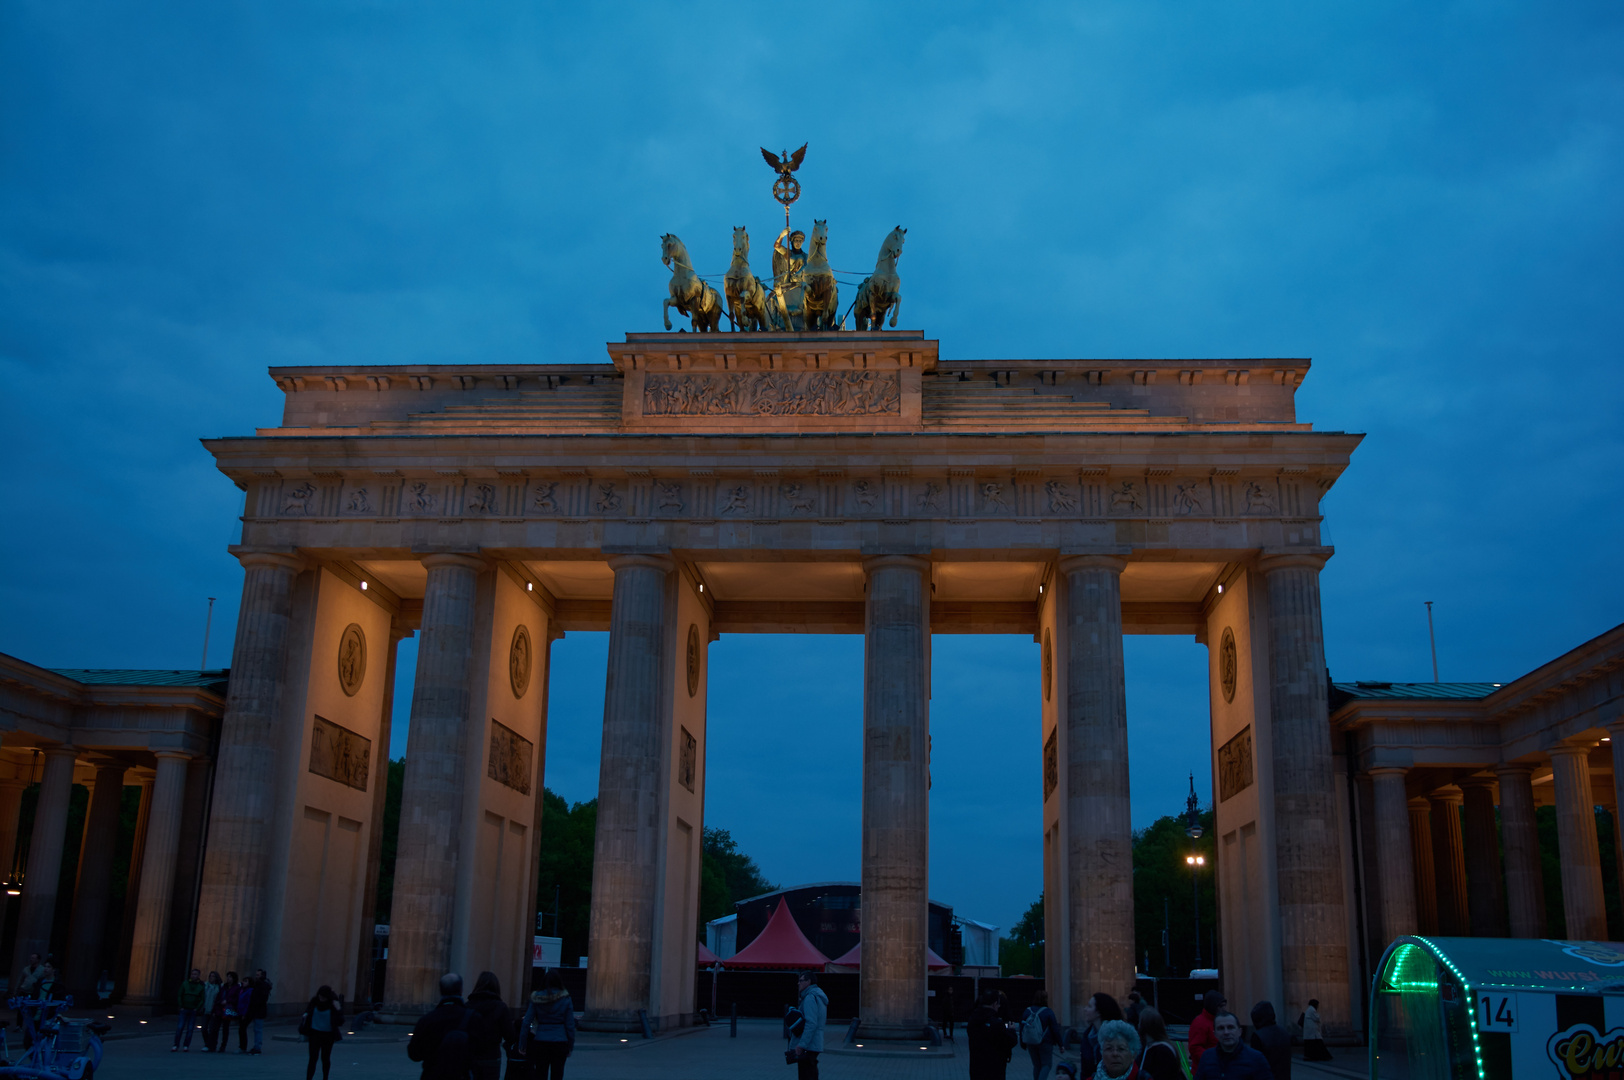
{"points": [[689, 295], [882, 289]]}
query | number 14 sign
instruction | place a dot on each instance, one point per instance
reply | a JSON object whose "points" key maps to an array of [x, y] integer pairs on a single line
{"points": [[1496, 1011]]}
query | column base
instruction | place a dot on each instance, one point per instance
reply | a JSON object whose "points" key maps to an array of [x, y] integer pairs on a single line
{"points": [[615, 1022], [906, 1033]]}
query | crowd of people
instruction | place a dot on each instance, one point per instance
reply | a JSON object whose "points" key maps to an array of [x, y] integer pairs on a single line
{"points": [[465, 1039], [1114, 1043]]}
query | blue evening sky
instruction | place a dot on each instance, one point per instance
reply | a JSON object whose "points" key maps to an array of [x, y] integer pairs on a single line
{"points": [[1425, 199]]}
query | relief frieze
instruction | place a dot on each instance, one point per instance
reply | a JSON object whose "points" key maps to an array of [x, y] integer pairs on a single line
{"points": [[340, 754], [510, 759], [781, 393]]}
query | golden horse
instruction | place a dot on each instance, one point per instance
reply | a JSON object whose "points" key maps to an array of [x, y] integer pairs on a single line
{"points": [[689, 295], [820, 306], [746, 296], [882, 289]]}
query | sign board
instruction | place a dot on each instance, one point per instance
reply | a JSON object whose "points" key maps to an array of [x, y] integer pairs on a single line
{"points": [[547, 952]]}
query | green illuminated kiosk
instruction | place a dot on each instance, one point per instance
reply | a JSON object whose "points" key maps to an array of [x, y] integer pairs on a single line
{"points": [[1497, 1008]]}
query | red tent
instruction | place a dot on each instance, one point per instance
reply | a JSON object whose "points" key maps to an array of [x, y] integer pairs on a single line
{"points": [[853, 958], [705, 957], [780, 945]]}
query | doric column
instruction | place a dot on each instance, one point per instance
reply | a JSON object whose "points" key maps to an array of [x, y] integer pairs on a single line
{"points": [[11, 809], [1485, 884], [422, 911], [896, 802], [157, 879], [132, 884], [1098, 823], [44, 858], [240, 816], [1313, 916], [1426, 878], [1396, 874], [1525, 883], [1449, 855], [89, 923], [1576, 838], [1616, 731], [625, 886]]}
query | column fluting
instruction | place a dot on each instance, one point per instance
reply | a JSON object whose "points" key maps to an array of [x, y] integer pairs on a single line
{"points": [[1098, 821], [422, 912], [1308, 853], [1396, 874], [896, 799], [1582, 900], [1449, 855], [232, 895], [88, 925], [626, 847], [1426, 878], [40, 883], [157, 879], [1485, 882], [1519, 834]]}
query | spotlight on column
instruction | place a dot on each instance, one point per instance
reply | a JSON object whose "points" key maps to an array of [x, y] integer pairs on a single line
{"points": [[530, 586], [363, 586], [1220, 590]]}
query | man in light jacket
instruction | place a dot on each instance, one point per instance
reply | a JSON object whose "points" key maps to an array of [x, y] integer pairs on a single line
{"points": [[814, 1006]]}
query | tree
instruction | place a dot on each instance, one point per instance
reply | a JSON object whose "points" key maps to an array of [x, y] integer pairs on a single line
{"points": [[393, 783], [564, 876], [726, 876], [1161, 894], [1021, 953]]}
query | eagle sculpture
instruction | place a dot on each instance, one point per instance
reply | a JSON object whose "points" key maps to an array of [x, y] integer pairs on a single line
{"points": [[786, 164]]}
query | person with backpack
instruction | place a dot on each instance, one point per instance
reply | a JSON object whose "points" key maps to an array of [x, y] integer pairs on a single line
{"points": [[208, 1016], [259, 1007], [225, 1008], [245, 1002], [1040, 1034], [322, 1025], [1159, 1060], [443, 1038], [1313, 1038], [1271, 1040], [547, 1032], [814, 1008]]}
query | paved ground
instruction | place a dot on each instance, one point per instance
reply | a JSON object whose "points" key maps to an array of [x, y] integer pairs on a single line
{"points": [[708, 1054]]}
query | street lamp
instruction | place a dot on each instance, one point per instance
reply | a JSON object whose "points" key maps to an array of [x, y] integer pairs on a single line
{"points": [[1196, 862]]}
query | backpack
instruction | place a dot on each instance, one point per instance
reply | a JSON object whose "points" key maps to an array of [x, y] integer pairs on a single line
{"points": [[1032, 1031], [454, 1057]]}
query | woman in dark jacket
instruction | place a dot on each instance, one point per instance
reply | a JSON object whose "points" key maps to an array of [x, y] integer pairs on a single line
{"points": [[498, 1030], [547, 1032], [323, 1025], [990, 1039]]}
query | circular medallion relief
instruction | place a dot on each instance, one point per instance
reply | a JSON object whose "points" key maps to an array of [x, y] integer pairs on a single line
{"points": [[519, 661], [352, 659], [693, 659], [1048, 665], [1228, 664]]}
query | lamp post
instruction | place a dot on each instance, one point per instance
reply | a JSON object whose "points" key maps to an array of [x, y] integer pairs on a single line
{"points": [[1192, 829]]}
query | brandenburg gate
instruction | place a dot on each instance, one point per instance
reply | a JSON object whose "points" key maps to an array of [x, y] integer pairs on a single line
{"points": [[701, 484]]}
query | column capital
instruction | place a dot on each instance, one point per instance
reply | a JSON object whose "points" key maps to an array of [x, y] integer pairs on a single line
{"points": [[906, 562], [466, 560], [1387, 770], [184, 755], [61, 750], [1513, 768], [1272, 559], [272, 558], [651, 560], [1449, 793], [1420, 802], [1575, 748], [1071, 564], [1476, 782]]}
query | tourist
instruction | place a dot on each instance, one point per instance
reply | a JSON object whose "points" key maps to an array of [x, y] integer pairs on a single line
{"points": [[1097, 1010], [322, 1024], [245, 1002], [1313, 1038], [991, 1039], [1231, 1059], [1130, 1011], [445, 1057], [258, 1007], [1159, 1060], [496, 1030], [1119, 1051], [225, 1007], [814, 1006], [1201, 1037], [1040, 1034], [190, 1000], [104, 986], [547, 1032], [47, 979], [211, 1011], [1271, 1040], [28, 983]]}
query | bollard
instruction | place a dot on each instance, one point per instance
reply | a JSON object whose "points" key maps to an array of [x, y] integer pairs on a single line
{"points": [[733, 1027]]}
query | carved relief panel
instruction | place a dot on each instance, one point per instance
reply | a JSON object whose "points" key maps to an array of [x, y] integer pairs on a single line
{"points": [[510, 758], [339, 754], [1235, 765]]}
